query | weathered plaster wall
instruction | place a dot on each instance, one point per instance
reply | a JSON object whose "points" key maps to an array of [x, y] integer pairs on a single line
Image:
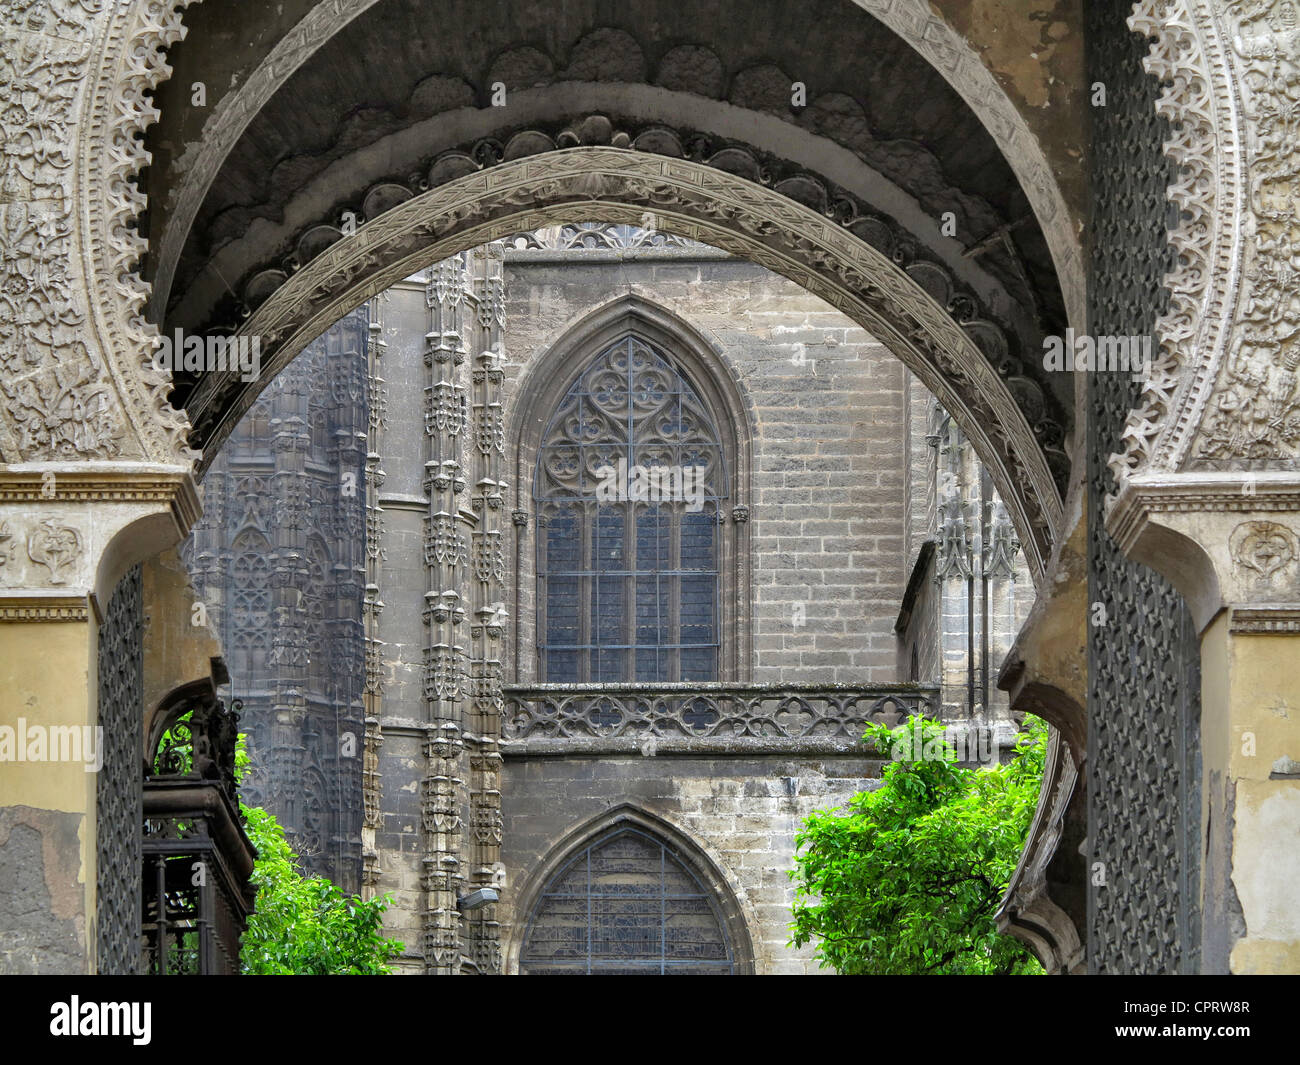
{"points": [[47, 809], [1034, 48]]}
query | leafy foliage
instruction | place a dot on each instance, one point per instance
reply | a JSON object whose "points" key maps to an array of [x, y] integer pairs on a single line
{"points": [[306, 925], [907, 881]]}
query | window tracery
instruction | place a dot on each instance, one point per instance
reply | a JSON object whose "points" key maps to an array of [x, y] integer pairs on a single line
{"points": [[628, 488]]}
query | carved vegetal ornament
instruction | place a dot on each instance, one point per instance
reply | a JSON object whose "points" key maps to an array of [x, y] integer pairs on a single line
{"points": [[54, 546], [1263, 548]]}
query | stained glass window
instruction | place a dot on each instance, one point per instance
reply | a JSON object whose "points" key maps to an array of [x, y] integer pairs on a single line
{"points": [[629, 481], [626, 905]]}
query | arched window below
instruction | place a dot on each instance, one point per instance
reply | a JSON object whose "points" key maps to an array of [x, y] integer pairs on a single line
{"points": [[626, 904]]}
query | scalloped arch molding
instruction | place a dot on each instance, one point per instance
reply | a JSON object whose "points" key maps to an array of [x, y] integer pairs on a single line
{"points": [[96, 93], [927, 33], [609, 183]]}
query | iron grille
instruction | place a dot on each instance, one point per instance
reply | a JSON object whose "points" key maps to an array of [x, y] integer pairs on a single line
{"points": [[1144, 813], [118, 784]]}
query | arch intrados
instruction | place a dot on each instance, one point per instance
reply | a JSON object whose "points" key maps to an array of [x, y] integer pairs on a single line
{"points": [[695, 201], [926, 33], [737, 914], [558, 110]]}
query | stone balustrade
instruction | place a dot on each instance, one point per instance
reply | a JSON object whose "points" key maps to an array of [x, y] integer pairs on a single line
{"points": [[700, 717]]}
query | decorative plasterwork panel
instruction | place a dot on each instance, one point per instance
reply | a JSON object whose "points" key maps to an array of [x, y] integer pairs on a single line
{"points": [[698, 202], [1254, 420], [75, 354], [1201, 103], [115, 112], [927, 33], [58, 403]]}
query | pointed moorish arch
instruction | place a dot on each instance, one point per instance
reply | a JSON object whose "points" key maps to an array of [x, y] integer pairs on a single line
{"points": [[911, 310], [735, 910]]}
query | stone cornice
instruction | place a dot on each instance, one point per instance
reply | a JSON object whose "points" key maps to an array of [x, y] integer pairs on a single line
{"points": [[103, 483], [33, 606], [1266, 619], [1142, 497]]}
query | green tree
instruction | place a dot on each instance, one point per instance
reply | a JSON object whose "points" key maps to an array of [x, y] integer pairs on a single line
{"points": [[908, 879], [306, 925]]}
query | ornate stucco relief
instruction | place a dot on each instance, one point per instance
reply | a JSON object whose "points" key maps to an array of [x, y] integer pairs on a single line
{"points": [[1254, 419], [114, 113], [1189, 56], [58, 403]]}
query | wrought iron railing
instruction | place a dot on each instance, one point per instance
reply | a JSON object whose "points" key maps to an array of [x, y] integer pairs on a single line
{"points": [[197, 859], [554, 718]]}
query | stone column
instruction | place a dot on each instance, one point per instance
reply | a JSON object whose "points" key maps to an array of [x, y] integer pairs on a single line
{"points": [[443, 788], [487, 604]]}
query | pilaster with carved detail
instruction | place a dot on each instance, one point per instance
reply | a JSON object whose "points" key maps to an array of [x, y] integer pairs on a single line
{"points": [[487, 602], [371, 604], [443, 794]]}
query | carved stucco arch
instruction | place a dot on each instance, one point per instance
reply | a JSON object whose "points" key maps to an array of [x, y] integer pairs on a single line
{"points": [[699, 856], [696, 201], [1191, 56], [1223, 66], [703, 361], [1191, 49], [926, 32]]}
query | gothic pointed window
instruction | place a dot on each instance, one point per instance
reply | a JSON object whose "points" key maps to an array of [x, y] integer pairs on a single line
{"points": [[626, 904], [628, 488]]}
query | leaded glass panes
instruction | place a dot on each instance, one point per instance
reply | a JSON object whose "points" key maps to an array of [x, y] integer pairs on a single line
{"points": [[626, 905], [630, 475]]}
